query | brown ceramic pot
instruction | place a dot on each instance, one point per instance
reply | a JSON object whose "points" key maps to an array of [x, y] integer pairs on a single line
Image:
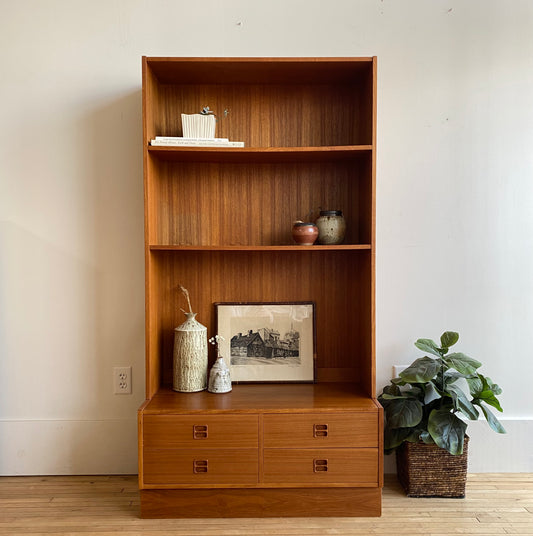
{"points": [[304, 234]]}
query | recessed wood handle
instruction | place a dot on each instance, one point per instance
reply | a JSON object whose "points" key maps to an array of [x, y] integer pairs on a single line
{"points": [[320, 466], [199, 431], [320, 430], [199, 466]]}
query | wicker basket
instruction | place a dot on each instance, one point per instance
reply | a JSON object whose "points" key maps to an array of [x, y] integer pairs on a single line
{"points": [[430, 471]]}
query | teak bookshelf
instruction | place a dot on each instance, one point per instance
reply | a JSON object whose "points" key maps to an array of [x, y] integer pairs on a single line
{"points": [[218, 221]]}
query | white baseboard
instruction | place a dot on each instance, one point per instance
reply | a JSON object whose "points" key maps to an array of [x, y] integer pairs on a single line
{"points": [[489, 452], [68, 447]]}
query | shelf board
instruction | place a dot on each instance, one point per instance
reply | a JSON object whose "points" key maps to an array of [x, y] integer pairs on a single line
{"points": [[341, 247], [265, 397], [259, 154]]}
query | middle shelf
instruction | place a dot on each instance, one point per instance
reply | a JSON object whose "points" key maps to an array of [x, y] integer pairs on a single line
{"points": [[339, 247]]}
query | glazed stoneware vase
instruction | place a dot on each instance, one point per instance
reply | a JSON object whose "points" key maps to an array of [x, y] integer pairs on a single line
{"points": [[304, 233], [331, 227]]}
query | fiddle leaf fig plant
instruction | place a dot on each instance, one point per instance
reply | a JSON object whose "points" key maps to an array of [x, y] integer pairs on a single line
{"points": [[425, 401]]}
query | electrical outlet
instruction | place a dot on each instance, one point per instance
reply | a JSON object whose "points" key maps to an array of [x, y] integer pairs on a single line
{"points": [[122, 380], [396, 369]]}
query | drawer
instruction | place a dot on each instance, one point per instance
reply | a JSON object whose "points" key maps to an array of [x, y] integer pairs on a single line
{"points": [[319, 430], [200, 466], [191, 431], [321, 466]]}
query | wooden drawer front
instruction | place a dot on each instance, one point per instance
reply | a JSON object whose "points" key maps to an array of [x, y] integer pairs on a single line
{"points": [[321, 430], [188, 431], [321, 466], [200, 466]]}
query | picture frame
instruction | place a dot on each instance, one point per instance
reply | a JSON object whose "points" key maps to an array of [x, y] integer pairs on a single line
{"points": [[268, 341]]}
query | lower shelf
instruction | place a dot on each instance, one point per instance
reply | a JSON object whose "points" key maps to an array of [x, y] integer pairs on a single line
{"points": [[292, 502]]}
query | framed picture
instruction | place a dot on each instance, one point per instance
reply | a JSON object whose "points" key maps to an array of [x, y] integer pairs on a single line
{"points": [[268, 342]]}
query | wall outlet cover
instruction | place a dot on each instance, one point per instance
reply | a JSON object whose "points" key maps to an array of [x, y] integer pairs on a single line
{"points": [[122, 380]]}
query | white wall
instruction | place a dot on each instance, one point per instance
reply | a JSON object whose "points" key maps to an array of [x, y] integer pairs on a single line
{"points": [[454, 214]]}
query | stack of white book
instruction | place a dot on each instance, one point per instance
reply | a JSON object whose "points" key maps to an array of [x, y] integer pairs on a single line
{"points": [[174, 141]]}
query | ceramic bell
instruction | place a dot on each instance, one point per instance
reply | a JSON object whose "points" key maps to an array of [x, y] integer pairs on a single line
{"points": [[219, 377]]}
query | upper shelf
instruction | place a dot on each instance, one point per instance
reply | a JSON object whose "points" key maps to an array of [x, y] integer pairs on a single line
{"points": [[260, 154]]}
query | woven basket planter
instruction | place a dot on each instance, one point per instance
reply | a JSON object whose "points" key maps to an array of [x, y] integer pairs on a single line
{"points": [[430, 471]]}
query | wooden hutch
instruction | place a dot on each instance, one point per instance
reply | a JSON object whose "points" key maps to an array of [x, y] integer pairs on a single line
{"points": [[218, 221]]}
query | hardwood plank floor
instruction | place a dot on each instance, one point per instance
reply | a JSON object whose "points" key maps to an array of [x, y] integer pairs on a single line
{"points": [[109, 506]]}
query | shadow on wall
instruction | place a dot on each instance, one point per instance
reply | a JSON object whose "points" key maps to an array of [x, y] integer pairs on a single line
{"points": [[116, 161], [72, 296]]}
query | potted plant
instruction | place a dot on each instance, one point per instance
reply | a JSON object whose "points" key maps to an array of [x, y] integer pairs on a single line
{"points": [[422, 417]]}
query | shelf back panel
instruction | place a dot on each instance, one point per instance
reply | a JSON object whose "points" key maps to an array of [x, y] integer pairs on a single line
{"points": [[338, 283], [214, 204]]}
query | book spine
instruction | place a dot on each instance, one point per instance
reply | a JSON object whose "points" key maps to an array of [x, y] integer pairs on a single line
{"points": [[161, 143], [181, 139]]}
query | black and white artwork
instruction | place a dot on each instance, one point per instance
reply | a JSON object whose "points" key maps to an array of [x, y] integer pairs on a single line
{"points": [[268, 341]]}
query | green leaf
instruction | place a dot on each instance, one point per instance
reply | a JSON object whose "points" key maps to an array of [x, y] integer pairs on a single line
{"points": [[426, 438], [451, 376], [431, 394], [427, 345], [398, 381], [391, 390], [420, 371], [496, 389], [487, 394], [447, 430], [462, 363], [414, 392], [448, 338], [475, 383], [386, 396], [494, 423], [461, 402], [488, 397], [394, 437], [403, 413]]}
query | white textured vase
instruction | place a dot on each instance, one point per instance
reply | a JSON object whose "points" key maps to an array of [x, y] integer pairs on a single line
{"points": [[219, 377], [198, 125], [190, 356]]}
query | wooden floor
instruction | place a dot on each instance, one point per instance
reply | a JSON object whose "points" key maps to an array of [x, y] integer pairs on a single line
{"points": [[108, 506]]}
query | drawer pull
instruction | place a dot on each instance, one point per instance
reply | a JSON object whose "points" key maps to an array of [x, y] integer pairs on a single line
{"points": [[199, 431], [320, 430], [320, 466], [199, 466]]}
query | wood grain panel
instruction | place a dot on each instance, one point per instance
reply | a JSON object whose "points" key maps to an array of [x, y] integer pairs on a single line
{"points": [[256, 204], [222, 466], [335, 281], [178, 431], [319, 467], [259, 70], [153, 332], [224, 503], [265, 398], [273, 115], [321, 430]]}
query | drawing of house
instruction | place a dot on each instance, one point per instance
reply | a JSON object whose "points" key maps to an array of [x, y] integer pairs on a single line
{"points": [[265, 342]]}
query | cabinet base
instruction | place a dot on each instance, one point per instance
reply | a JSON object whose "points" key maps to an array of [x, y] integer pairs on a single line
{"points": [[285, 502]]}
